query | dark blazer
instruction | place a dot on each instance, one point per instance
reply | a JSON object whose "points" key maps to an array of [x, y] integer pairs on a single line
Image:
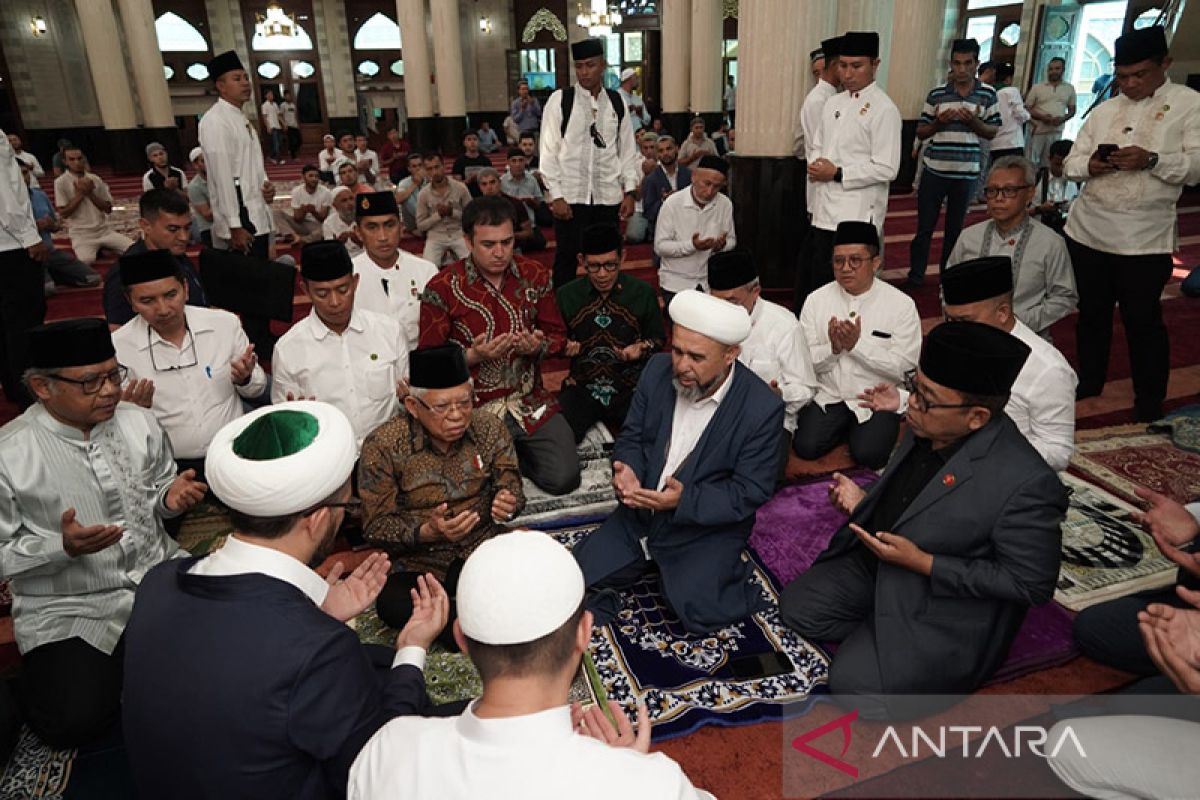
{"points": [[240, 687], [729, 474], [655, 184], [993, 529]]}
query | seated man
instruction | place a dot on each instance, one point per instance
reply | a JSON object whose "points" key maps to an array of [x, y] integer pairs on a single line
{"points": [[165, 221], [84, 485], [1044, 283], [391, 279], [699, 453], [860, 331], [367, 161], [408, 189], [517, 182], [328, 158], [339, 225], [488, 141], [433, 525], [500, 309], [64, 268], [161, 174], [85, 202], [691, 226], [440, 205], [311, 202], [341, 354], [529, 239], [467, 166], [190, 366], [614, 325], [197, 192], [349, 176], [927, 584], [292, 695], [523, 625]]}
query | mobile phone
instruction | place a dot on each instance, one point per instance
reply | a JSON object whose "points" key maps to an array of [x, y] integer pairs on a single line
{"points": [[1105, 150], [763, 665]]}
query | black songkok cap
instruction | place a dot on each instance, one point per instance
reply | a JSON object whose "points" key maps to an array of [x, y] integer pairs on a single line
{"points": [[70, 343], [965, 46], [600, 239], [854, 232], [977, 279], [860, 43], [730, 269], [588, 48], [150, 265], [325, 261], [713, 162], [440, 367], [973, 358], [832, 48], [226, 62], [375, 204], [1141, 45]]}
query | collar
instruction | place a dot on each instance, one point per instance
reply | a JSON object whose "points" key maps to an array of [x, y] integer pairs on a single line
{"points": [[594, 292], [830, 86], [196, 322], [925, 447], [225, 105], [320, 330], [716, 397], [691, 201], [868, 89], [1017, 230], [954, 89], [852, 297], [532, 731], [72, 434], [474, 276], [239, 557]]}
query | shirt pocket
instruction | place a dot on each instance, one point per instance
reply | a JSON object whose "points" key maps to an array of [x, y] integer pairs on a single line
{"points": [[379, 382]]}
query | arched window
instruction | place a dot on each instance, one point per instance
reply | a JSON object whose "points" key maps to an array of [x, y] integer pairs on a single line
{"points": [[378, 32], [177, 35]]}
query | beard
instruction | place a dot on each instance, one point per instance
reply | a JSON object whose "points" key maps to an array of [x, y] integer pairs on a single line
{"points": [[693, 393], [322, 551]]}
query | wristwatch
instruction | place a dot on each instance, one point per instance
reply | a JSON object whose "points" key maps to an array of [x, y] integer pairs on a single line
{"points": [[837, 176], [1153, 161]]}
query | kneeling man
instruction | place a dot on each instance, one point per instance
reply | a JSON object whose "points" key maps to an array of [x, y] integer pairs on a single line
{"points": [[928, 582], [698, 455]]}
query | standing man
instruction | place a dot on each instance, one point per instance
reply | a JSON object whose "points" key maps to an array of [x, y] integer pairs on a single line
{"points": [[526, 111], [691, 226], [85, 202], [22, 297], [291, 123], [589, 157], [955, 118], [636, 106], [440, 205], [391, 279], [829, 83], [1050, 105], [730, 99], [274, 127], [854, 156], [1010, 139], [393, 157], [1121, 230]]}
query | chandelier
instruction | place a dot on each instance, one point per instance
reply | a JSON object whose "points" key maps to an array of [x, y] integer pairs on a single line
{"points": [[599, 18], [277, 22]]}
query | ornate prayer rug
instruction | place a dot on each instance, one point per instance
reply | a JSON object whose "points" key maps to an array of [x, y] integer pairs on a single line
{"points": [[1183, 426], [591, 502], [35, 770], [1119, 458]]}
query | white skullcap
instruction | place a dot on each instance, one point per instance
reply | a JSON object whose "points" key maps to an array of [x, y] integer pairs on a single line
{"points": [[341, 188], [518, 587], [706, 315], [328, 136], [281, 459], [341, 162], [196, 153], [627, 73]]}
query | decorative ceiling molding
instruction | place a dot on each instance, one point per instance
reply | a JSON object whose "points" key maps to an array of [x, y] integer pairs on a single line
{"points": [[544, 19], [729, 8]]}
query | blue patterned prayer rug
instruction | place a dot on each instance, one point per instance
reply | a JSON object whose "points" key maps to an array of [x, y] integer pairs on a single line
{"points": [[646, 655]]}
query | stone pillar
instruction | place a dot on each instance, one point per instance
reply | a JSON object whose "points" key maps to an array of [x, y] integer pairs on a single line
{"points": [[337, 67], [448, 62], [774, 38], [878, 16], [141, 42], [418, 90], [706, 84], [676, 16], [102, 41]]}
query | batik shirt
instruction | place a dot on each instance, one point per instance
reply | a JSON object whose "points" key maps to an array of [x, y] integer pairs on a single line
{"points": [[604, 325], [402, 477], [459, 304]]}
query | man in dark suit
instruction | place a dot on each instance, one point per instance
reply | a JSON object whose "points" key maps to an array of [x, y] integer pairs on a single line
{"points": [[697, 456], [667, 177], [929, 580], [242, 678]]}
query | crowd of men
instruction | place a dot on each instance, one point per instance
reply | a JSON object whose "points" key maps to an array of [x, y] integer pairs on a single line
{"points": [[412, 399]]}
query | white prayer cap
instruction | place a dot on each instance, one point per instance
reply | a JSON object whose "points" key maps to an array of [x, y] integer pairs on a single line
{"points": [[627, 73], [196, 153], [341, 189], [706, 315], [281, 459], [329, 137], [518, 587]]}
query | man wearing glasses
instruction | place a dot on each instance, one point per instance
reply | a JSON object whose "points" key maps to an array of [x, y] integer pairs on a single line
{"points": [[190, 366], [614, 325], [1043, 283], [438, 481], [85, 482]]}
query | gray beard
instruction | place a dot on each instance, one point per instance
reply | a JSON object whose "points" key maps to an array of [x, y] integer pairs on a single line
{"points": [[694, 393]]}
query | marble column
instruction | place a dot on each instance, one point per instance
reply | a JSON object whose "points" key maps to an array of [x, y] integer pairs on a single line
{"points": [[767, 184], [676, 18], [448, 63], [878, 16], [141, 41], [102, 41], [706, 82], [418, 89]]}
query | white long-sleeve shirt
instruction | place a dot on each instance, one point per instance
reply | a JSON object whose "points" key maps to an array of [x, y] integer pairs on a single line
{"points": [[682, 266], [806, 128], [573, 167], [1132, 213], [1013, 117], [1042, 402], [394, 292], [18, 228], [889, 346], [776, 351], [233, 153], [194, 394], [860, 133]]}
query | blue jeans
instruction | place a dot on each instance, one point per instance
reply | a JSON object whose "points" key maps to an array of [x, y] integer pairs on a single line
{"points": [[933, 191], [277, 144]]}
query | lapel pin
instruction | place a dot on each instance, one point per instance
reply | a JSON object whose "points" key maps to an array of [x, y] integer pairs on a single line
{"points": [[948, 479]]}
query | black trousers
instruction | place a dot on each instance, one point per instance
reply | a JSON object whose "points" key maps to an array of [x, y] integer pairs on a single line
{"points": [[932, 192], [394, 604], [258, 329], [547, 456], [567, 233], [22, 306], [820, 430], [70, 692], [293, 138], [814, 266], [1135, 284], [582, 411], [1108, 632]]}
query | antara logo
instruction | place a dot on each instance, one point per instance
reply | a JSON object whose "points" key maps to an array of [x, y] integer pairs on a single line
{"points": [[843, 724]]}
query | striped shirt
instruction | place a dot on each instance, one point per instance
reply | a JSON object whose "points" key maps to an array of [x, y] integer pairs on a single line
{"points": [[954, 152], [119, 475]]}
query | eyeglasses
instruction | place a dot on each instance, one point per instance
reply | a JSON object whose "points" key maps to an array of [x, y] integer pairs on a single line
{"points": [[94, 384], [443, 409], [918, 399], [854, 261], [189, 347], [1010, 192], [597, 139], [351, 505], [607, 266]]}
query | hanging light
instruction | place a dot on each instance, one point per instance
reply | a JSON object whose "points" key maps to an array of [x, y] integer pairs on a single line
{"points": [[599, 18], [277, 22]]}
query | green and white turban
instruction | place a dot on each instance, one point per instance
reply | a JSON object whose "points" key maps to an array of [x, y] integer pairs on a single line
{"points": [[281, 459]]}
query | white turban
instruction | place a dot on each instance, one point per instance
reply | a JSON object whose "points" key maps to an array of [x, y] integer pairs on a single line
{"points": [[518, 587], [706, 315], [281, 459]]}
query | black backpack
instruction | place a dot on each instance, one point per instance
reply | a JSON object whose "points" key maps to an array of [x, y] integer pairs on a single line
{"points": [[568, 103]]}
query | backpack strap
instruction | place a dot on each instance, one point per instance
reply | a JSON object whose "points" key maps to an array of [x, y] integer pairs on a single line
{"points": [[568, 104]]}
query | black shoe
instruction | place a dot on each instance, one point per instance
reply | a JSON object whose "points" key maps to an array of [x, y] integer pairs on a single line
{"points": [[915, 281], [1147, 411]]}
